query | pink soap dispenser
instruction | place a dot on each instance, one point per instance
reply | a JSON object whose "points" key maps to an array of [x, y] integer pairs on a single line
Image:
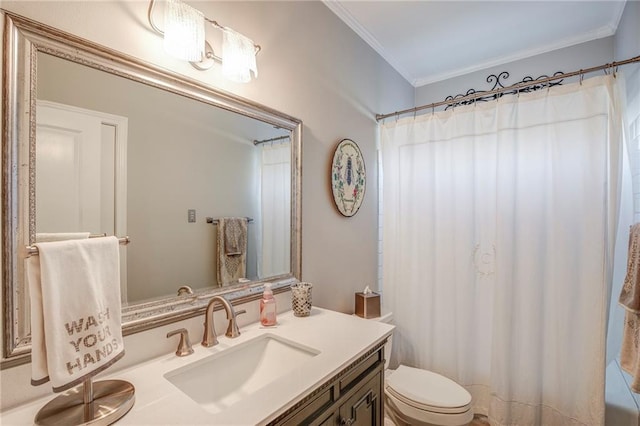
{"points": [[267, 307]]}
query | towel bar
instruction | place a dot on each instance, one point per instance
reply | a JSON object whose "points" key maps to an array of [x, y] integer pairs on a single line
{"points": [[215, 221], [33, 250]]}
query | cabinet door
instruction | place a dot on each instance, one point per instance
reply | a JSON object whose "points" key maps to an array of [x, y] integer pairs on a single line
{"points": [[315, 412], [364, 407], [327, 419]]}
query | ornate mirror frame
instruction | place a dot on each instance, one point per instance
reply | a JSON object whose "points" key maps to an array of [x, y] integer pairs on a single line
{"points": [[23, 39]]}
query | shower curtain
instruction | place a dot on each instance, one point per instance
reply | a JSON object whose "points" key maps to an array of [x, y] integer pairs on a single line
{"points": [[275, 209], [499, 222]]}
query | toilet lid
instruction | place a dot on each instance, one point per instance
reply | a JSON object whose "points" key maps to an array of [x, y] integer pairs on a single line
{"points": [[428, 390]]}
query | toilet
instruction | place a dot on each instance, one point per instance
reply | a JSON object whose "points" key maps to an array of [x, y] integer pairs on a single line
{"points": [[419, 397]]}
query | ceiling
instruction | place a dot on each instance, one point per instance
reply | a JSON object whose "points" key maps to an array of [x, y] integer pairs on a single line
{"points": [[428, 41]]}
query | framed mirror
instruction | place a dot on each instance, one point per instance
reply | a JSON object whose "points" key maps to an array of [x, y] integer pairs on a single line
{"points": [[162, 159]]}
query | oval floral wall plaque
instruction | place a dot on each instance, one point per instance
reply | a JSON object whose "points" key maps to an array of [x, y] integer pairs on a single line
{"points": [[348, 177]]}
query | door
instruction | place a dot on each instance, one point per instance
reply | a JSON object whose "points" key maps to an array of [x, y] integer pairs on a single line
{"points": [[81, 172]]}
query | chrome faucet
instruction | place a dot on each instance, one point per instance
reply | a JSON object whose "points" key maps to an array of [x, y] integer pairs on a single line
{"points": [[209, 337]]}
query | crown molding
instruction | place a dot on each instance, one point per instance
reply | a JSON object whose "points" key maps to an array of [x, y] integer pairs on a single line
{"points": [[339, 10], [601, 32], [342, 13]]}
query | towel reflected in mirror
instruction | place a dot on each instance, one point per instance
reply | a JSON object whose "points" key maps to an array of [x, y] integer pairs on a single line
{"points": [[232, 249]]}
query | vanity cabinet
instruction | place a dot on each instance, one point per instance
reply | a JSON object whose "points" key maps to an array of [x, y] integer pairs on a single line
{"points": [[364, 407], [354, 396]]}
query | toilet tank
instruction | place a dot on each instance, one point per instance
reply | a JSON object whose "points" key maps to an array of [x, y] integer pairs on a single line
{"points": [[386, 318]]}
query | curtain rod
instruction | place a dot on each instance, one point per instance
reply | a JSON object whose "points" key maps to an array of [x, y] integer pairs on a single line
{"points": [[217, 221], [255, 142], [509, 88]]}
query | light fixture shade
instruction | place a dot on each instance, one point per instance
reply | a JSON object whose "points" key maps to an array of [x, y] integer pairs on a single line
{"points": [[183, 31], [238, 56]]}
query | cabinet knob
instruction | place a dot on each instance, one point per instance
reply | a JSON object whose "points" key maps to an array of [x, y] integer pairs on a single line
{"points": [[346, 422]]}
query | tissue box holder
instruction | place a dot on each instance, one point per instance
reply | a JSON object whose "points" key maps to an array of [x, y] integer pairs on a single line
{"points": [[368, 305]]}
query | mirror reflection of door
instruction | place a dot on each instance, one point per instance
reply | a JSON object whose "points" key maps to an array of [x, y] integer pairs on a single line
{"points": [[80, 172]]}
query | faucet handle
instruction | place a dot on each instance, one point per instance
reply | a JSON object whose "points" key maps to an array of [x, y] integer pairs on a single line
{"points": [[184, 347], [233, 330]]}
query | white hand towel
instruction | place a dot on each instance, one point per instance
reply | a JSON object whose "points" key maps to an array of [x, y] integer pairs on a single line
{"points": [[75, 310]]}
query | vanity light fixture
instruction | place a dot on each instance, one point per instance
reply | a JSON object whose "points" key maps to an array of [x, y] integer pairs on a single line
{"points": [[183, 31], [184, 38]]}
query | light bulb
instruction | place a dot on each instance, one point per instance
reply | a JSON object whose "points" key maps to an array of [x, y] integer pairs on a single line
{"points": [[183, 31]]}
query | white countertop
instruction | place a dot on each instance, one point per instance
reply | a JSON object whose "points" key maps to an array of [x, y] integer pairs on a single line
{"points": [[339, 338]]}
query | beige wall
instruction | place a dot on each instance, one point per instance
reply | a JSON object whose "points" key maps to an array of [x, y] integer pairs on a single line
{"points": [[313, 67]]}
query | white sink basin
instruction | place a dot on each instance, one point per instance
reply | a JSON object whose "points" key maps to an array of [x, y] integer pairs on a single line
{"points": [[220, 380]]}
